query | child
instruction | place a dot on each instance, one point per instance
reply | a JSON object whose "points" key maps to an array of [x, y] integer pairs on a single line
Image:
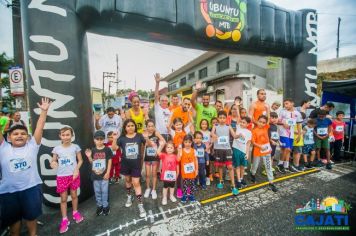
{"points": [[338, 126], [322, 131], [151, 158], [298, 144], [67, 159], [131, 144], [241, 150], [101, 159], [178, 135], [189, 168], [262, 149], [222, 149], [214, 121], [170, 170], [20, 188], [204, 129], [273, 133], [203, 157], [309, 144], [243, 113], [115, 160]]}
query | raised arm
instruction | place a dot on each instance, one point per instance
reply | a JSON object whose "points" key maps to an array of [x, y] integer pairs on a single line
{"points": [[157, 79], [44, 106], [97, 119], [193, 99], [251, 111]]}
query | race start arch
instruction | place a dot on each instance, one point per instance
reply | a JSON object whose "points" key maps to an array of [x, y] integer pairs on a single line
{"points": [[56, 52]]}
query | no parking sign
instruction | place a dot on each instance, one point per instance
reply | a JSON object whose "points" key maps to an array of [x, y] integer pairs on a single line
{"points": [[16, 81]]}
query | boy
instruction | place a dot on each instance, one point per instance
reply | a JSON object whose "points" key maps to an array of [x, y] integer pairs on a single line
{"points": [[273, 136], [297, 151], [322, 131], [338, 126], [262, 150], [222, 150], [309, 144], [241, 150], [203, 157], [116, 160], [20, 188]]}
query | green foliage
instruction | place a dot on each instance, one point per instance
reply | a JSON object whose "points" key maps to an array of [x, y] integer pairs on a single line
{"points": [[5, 63]]}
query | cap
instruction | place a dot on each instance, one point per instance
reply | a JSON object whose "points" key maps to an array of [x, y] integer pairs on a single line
{"points": [[99, 134]]}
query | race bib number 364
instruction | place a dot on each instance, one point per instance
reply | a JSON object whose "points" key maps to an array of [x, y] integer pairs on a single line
{"points": [[170, 175]]}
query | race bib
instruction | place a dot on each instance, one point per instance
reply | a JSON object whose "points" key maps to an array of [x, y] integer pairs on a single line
{"points": [[291, 122], [339, 128], [19, 164], [266, 148], [131, 151], [151, 151], [274, 135], [206, 138], [170, 175], [200, 152], [99, 165], [241, 140], [309, 136], [65, 161], [264, 113], [331, 139], [223, 140], [322, 131], [189, 168]]}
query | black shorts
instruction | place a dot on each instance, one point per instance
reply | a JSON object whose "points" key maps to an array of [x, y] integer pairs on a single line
{"points": [[169, 184], [25, 204], [223, 155], [130, 171], [211, 157]]}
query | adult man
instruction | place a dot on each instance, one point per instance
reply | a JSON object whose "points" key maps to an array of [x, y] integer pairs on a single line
{"points": [[219, 106], [259, 107], [16, 120], [204, 110], [162, 112], [328, 107], [109, 122], [4, 118], [183, 113], [175, 102]]}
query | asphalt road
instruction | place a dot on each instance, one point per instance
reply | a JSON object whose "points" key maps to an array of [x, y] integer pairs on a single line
{"points": [[256, 212]]}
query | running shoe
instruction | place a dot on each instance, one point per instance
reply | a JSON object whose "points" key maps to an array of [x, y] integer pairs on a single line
{"points": [[207, 181], [203, 187], [281, 169], [141, 210], [238, 185], [272, 187], [99, 211], [154, 194], [179, 193], [172, 198], [235, 191], [63, 227], [164, 201], [128, 201], [106, 211], [147, 193], [293, 169], [253, 178], [243, 182], [77, 217], [183, 199], [192, 198], [220, 185], [328, 166], [308, 165], [301, 168]]}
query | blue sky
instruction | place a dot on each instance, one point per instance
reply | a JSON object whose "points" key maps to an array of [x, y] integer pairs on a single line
{"points": [[102, 50]]}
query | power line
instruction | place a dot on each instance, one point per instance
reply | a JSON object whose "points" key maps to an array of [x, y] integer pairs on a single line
{"points": [[335, 14]]}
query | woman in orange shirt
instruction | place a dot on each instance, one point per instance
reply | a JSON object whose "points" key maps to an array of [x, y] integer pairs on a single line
{"points": [[262, 150], [189, 167]]}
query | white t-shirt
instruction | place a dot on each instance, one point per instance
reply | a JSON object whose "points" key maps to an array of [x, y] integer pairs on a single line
{"points": [[67, 159], [19, 167], [309, 135], [110, 124], [162, 117], [241, 143], [291, 118]]}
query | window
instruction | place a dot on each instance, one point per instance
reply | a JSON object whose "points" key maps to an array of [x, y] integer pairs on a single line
{"points": [[183, 81], [203, 73], [172, 86], [191, 76], [223, 64]]}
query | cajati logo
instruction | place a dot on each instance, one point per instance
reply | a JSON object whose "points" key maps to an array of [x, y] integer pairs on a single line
{"points": [[329, 213], [225, 19]]}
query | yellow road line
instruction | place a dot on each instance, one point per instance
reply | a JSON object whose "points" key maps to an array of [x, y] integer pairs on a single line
{"points": [[258, 186]]}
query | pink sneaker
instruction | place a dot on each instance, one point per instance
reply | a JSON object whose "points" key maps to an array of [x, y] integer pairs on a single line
{"points": [[64, 226], [179, 193], [78, 217]]}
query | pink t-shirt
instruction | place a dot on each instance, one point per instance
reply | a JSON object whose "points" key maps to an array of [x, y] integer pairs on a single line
{"points": [[169, 167], [338, 129]]}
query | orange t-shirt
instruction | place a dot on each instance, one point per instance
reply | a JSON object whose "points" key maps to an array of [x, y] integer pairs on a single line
{"points": [[260, 109], [173, 107], [260, 137], [179, 113], [189, 164], [178, 138]]}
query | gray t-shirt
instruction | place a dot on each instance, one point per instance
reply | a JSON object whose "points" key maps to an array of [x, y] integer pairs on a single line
{"points": [[223, 133]]}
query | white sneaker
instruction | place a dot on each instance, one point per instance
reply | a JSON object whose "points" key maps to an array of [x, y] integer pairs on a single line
{"points": [[129, 201], [154, 194], [141, 210], [207, 182], [164, 201], [172, 198], [147, 193]]}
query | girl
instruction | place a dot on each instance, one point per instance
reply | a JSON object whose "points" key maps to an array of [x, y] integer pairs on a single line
{"points": [[67, 159], [131, 144], [243, 113], [151, 160], [170, 170], [233, 118], [204, 128], [189, 167]]}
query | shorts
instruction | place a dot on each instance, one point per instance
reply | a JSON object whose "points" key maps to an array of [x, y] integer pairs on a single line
{"points": [[211, 157], [297, 149], [308, 148], [223, 157], [66, 182], [169, 184], [25, 204], [151, 162], [286, 142], [322, 143], [238, 158], [274, 147], [129, 171]]}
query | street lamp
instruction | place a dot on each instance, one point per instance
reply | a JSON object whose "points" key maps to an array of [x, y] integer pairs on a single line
{"points": [[106, 75]]}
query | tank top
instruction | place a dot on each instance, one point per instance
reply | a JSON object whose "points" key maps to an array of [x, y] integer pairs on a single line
{"points": [[189, 164], [223, 133], [260, 109], [139, 120], [151, 152]]}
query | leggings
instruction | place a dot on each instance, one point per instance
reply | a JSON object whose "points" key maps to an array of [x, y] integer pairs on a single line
{"points": [[189, 183], [268, 165]]}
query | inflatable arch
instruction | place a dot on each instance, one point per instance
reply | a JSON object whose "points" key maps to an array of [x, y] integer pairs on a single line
{"points": [[56, 51]]}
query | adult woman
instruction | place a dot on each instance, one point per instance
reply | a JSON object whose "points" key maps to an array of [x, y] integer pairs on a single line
{"points": [[136, 113]]}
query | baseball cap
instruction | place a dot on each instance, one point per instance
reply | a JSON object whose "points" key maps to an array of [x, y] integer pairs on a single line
{"points": [[99, 134]]}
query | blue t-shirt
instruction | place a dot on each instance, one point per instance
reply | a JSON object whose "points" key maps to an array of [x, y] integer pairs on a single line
{"points": [[322, 126], [202, 155]]}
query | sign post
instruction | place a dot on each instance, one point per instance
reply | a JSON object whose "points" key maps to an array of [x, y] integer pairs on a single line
{"points": [[16, 81]]}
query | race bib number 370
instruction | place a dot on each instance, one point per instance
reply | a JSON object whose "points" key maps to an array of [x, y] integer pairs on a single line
{"points": [[19, 164]]}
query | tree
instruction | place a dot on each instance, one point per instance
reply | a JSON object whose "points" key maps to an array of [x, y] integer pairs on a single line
{"points": [[5, 63]]}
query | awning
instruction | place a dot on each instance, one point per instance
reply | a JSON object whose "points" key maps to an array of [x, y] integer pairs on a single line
{"points": [[344, 87]]}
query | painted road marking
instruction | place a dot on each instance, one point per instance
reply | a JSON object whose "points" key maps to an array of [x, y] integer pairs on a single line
{"points": [[182, 208], [163, 213], [151, 216]]}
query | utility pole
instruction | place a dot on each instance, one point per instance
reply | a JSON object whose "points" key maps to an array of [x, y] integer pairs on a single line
{"points": [[338, 37], [106, 75]]}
